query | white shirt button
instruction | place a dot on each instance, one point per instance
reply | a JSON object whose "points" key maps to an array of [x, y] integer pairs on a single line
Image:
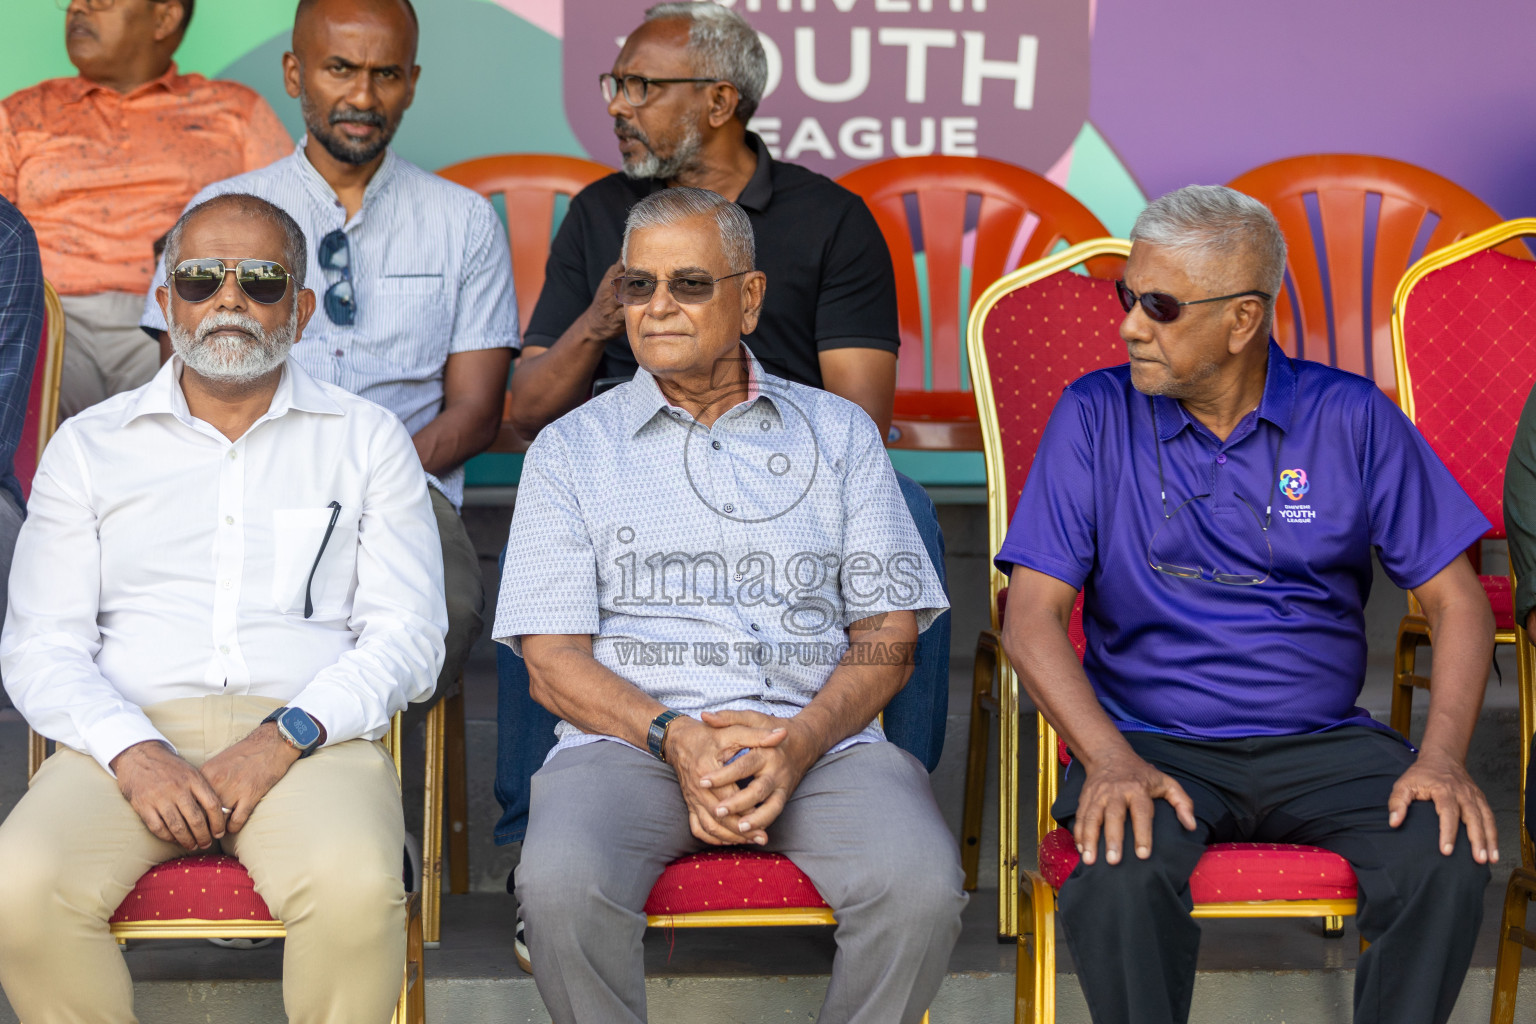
{"points": [[229, 520], [223, 648], [232, 453], [227, 584]]}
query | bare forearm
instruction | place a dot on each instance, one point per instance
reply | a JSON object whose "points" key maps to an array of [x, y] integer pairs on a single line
{"points": [[1463, 635], [454, 437], [859, 687], [1051, 674], [571, 684], [551, 382]]}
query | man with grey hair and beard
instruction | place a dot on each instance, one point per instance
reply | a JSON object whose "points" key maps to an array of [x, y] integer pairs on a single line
{"points": [[747, 476], [228, 582], [1217, 503]]}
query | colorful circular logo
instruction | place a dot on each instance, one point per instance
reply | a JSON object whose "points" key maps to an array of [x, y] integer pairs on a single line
{"points": [[1293, 483]]}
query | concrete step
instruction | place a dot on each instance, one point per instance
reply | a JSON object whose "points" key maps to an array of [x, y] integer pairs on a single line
{"points": [[1272, 972]]}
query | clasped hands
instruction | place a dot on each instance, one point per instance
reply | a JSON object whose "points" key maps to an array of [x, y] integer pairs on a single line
{"points": [[1127, 786], [775, 754], [181, 804]]}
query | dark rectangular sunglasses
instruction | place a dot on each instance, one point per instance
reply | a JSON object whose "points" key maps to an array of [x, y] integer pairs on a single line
{"points": [[1164, 308], [637, 291], [198, 280]]}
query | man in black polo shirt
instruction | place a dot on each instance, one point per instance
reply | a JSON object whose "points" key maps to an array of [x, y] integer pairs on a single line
{"points": [[681, 92]]}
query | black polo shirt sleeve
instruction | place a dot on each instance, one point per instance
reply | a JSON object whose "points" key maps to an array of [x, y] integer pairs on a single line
{"points": [[575, 266], [856, 307]]}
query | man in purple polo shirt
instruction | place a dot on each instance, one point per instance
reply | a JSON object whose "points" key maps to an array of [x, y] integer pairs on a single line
{"points": [[1217, 503]]}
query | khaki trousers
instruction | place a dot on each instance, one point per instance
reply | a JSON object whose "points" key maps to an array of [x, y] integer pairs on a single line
{"points": [[323, 847], [105, 352]]}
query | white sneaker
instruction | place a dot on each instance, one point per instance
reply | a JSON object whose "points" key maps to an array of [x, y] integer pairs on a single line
{"points": [[520, 945]]}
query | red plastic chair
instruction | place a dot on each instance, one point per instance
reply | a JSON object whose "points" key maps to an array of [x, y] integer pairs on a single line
{"points": [[967, 221], [1371, 211], [1462, 325], [1031, 334], [530, 185]]}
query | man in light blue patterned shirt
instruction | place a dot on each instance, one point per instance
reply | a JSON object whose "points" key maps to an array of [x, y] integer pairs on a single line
{"points": [[717, 586], [413, 272]]}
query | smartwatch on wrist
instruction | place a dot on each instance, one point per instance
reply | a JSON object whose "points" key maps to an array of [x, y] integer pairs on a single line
{"points": [[657, 735], [297, 729]]}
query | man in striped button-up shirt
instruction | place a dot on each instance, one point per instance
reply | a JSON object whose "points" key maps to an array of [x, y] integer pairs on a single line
{"points": [[414, 274]]}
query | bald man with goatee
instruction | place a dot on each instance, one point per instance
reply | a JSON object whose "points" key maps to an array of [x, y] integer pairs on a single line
{"points": [[412, 274]]}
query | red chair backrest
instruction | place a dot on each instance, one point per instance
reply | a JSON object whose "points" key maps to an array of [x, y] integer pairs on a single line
{"points": [[1372, 212], [25, 463], [529, 184], [964, 218], [1467, 332], [1039, 338]]}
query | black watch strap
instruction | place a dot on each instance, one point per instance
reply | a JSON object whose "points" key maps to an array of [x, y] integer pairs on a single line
{"points": [[658, 733]]}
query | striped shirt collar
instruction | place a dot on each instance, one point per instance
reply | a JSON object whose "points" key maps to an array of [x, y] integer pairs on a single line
{"points": [[646, 401], [296, 390], [326, 195]]}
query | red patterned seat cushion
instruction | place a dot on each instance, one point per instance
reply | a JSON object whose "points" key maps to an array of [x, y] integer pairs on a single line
{"points": [[204, 887], [732, 880], [1502, 598], [1235, 872]]}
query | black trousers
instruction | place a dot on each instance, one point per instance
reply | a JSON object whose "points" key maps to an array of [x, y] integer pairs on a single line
{"points": [[1128, 924]]}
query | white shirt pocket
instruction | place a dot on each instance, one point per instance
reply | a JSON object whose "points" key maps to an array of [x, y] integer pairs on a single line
{"points": [[298, 539]]}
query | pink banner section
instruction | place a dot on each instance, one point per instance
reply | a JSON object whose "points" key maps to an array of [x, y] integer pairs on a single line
{"points": [[548, 15]]}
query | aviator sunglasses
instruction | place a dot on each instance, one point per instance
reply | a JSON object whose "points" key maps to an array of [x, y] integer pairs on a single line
{"points": [[198, 280], [1164, 308], [690, 290]]}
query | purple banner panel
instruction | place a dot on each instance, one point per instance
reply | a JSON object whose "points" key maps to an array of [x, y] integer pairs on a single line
{"points": [[852, 81]]}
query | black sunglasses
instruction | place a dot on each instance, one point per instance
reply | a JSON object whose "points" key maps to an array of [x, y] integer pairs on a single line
{"points": [[637, 291], [340, 300], [1164, 308], [198, 280]]}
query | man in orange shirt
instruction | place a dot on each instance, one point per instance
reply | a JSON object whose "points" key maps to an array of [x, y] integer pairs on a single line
{"points": [[102, 165]]}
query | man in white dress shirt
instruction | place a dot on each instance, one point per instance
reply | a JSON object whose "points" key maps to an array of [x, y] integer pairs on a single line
{"points": [[223, 572]]}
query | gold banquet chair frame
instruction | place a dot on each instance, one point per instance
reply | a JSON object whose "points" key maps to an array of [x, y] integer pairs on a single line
{"points": [[1413, 630], [1513, 936], [410, 1008], [749, 918], [995, 686]]}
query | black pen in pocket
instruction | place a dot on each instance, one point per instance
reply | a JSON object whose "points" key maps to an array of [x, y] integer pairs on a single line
{"points": [[309, 607]]}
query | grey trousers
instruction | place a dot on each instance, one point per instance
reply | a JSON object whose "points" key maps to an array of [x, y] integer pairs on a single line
{"points": [[105, 352], [606, 819]]}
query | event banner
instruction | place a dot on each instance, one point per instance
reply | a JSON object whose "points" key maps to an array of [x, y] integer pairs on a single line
{"points": [[851, 81]]}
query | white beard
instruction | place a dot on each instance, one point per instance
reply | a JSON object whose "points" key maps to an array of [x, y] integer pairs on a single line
{"points": [[232, 360]]}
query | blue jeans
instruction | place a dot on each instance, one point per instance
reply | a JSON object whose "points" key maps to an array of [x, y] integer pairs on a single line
{"points": [[914, 719]]}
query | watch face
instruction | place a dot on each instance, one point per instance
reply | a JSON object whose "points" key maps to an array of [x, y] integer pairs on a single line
{"points": [[301, 729]]}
